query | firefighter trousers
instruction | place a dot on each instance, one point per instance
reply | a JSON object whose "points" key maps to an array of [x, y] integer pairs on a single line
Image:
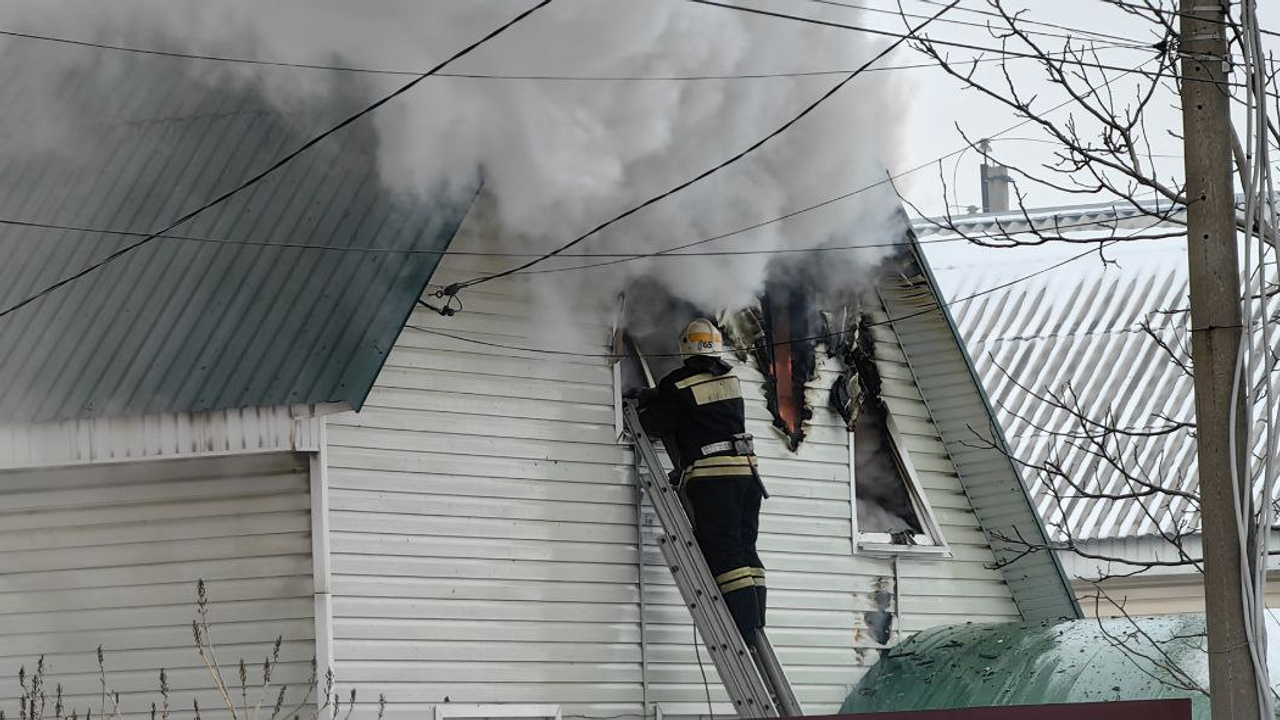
{"points": [[726, 522]]}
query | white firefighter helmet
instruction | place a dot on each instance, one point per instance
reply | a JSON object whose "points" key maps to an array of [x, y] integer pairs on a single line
{"points": [[700, 337]]}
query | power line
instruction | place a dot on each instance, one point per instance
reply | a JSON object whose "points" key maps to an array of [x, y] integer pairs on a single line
{"points": [[968, 237], [811, 338], [1074, 32], [668, 254], [1180, 15], [1047, 141], [1003, 52], [253, 180], [1038, 23], [830, 201], [615, 257], [287, 245], [470, 76], [456, 287], [858, 28]]}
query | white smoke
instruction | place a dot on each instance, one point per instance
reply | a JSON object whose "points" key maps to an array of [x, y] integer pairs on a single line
{"points": [[560, 157]]}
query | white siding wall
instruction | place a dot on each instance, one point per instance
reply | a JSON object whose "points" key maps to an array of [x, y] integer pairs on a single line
{"points": [[485, 540], [110, 555]]}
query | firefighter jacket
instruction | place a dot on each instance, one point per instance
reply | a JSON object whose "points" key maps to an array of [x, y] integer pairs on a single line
{"points": [[699, 408]]}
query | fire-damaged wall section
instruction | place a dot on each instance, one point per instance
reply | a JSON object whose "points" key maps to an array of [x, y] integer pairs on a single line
{"points": [[884, 499], [781, 335]]}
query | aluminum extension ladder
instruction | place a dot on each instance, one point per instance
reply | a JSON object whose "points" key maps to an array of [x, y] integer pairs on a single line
{"points": [[753, 678]]}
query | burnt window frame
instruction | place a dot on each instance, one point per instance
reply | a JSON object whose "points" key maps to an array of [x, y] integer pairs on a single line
{"points": [[878, 543]]}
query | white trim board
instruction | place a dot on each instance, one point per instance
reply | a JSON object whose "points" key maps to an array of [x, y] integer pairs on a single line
{"points": [[934, 542], [86, 441]]}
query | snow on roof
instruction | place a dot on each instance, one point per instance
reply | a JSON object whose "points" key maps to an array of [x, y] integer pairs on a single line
{"points": [[1058, 321]]}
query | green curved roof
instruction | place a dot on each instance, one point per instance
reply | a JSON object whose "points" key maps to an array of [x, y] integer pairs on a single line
{"points": [[963, 666]]}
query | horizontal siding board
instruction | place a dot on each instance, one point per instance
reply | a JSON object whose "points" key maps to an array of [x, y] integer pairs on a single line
{"points": [[89, 578], [445, 465], [130, 554], [25, 646], [448, 568], [480, 507], [155, 595], [284, 502]]}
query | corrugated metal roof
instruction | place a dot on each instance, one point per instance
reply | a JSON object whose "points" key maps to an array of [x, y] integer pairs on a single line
{"points": [[129, 143], [959, 407], [1075, 218], [967, 666], [1075, 336]]}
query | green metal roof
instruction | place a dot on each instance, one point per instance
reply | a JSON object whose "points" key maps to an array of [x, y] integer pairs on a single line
{"points": [[130, 143], [1090, 660]]}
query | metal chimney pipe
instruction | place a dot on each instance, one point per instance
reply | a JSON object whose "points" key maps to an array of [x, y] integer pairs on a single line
{"points": [[995, 182]]}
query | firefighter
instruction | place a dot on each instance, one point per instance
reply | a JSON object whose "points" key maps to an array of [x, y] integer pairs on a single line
{"points": [[698, 407]]}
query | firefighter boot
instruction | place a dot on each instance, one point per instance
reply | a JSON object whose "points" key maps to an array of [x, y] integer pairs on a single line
{"points": [[746, 614]]}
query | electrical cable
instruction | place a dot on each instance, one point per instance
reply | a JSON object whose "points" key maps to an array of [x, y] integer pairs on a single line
{"points": [[697, 649], [1074, 32], [1038, 23], [829, 201], [966, 237], [1252, 362], [617, 257], [626, 258], [1180, 15], [288, 245], [258, 177], [811, 338], [477, 75], [456, 287], [857, 28], [1004, 52]]}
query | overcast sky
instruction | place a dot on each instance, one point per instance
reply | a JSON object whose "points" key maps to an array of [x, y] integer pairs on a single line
{"points": [[941, 103]]}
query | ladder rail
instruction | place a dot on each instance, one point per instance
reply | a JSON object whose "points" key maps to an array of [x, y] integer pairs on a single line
{"points": [[774, 675], [752, 680]]}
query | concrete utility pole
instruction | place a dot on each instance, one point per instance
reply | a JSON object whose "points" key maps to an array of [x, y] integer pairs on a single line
{"points": [[1215, 345]]}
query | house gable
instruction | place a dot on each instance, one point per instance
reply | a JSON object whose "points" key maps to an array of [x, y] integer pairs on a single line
{"points": [[488, 536]]}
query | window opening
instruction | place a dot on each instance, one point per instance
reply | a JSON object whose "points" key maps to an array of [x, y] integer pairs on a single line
{"points": [[651, 319], [884, 503], [890, 507]]}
